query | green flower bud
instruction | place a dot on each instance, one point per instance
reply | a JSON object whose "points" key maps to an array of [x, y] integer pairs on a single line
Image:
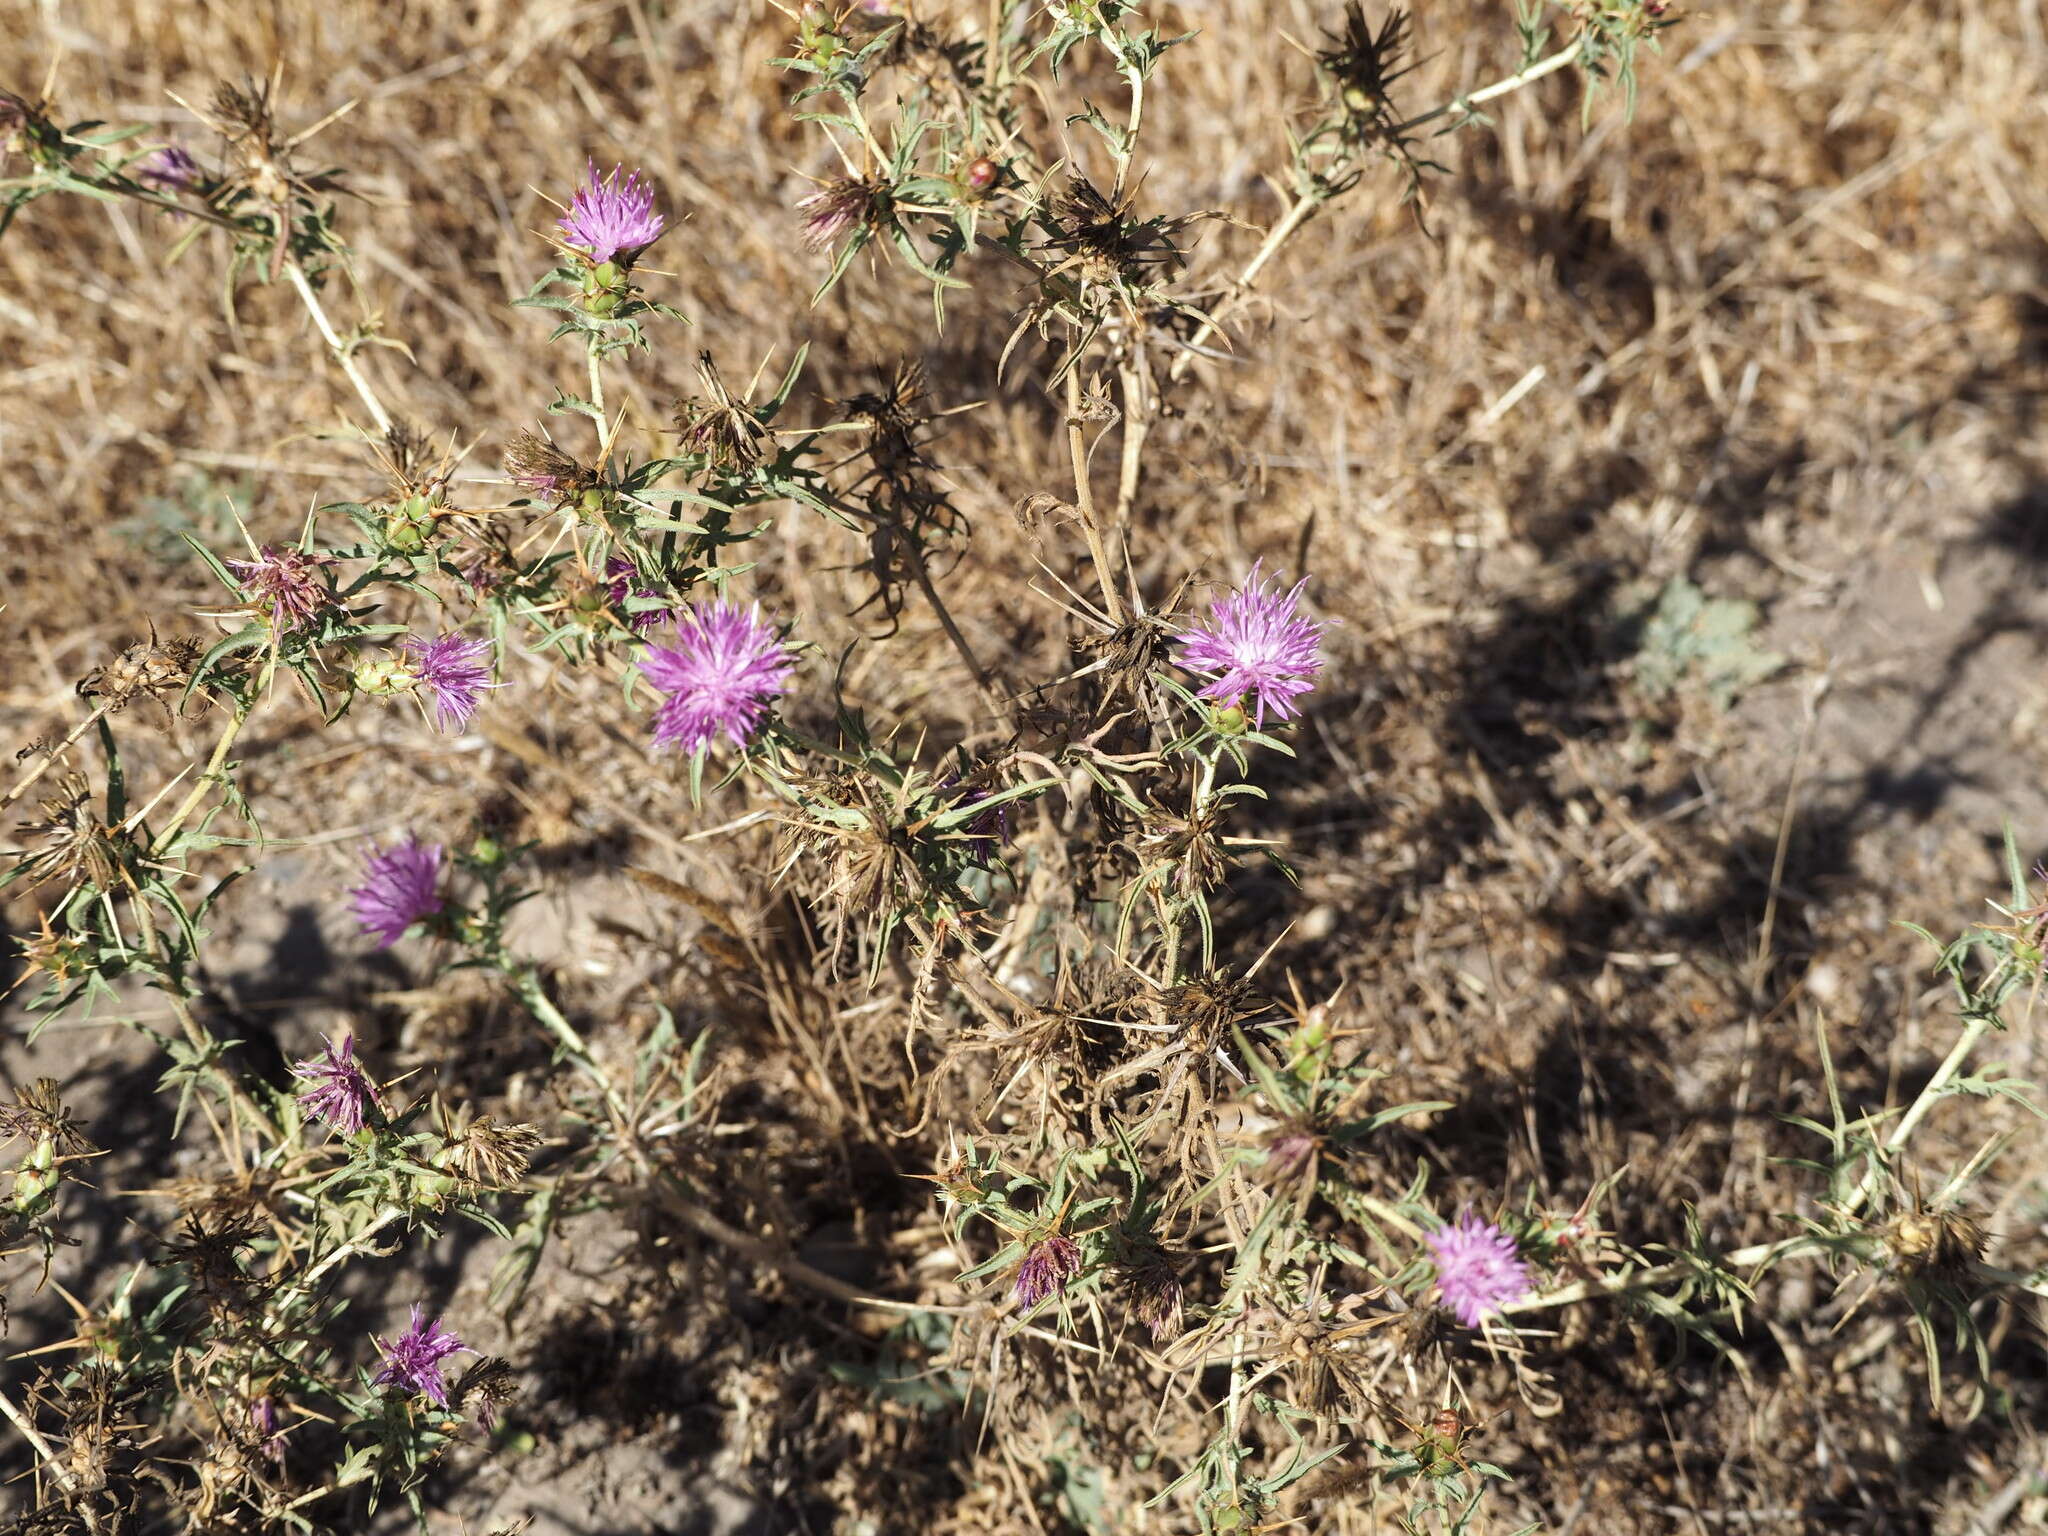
{"points": [[604, 305], [410, 525], [592, 499], [386, 677], [1230, 720]]}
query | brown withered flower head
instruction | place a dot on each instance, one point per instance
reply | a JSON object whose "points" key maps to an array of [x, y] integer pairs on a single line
{"points": [[486, 1387], [1103, 240], [724, 430], [538, 467], [38, 1114], [1364, 63], [492, 1155], [157, 670], [1930, 1242], [208, 1247], [77, 845], [1152, 1294]]}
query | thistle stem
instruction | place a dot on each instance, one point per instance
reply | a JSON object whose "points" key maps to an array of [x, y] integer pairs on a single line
{"points": [[1084, 496], [342, 355]]}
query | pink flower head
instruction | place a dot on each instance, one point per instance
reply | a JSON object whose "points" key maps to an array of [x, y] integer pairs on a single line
{"points": [[287, 581], [836, 208], [1478, 1270], [341, 1092], [455, 671], [170, 169], [609, 218], [413, 1359], [397, 889], [1047, 1268], [719, 676], [1256, 643], [623, 577]]}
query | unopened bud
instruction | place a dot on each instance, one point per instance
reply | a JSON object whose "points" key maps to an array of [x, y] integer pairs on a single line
{"points": [[979, 176], [384, 678]]}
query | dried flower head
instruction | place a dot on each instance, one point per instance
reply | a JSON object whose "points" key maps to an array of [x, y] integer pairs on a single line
{"points": [[208, 1248], [1256, 644], [38, 1113], [1927, 1241], [723, 429], [491, 1155], [1478, 1268], [77, 845], [398, 889], [538, 467], [725, 667], [612, 218], [413, 1359], [155, 670], [170, 169], [341, 1093], [1365, 63], [841, 206], [490, 1383], [1048, 1265], [1153, 1294], [285, 581], [454, 672]]}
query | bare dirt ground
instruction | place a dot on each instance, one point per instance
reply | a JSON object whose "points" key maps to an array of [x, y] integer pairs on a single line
{"points": [[1781, 335]]}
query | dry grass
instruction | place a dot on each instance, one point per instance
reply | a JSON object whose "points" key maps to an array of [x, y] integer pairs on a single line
{"points": [[1785, 335]]}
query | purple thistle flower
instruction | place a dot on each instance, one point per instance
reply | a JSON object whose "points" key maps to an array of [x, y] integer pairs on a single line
{"points": [[1047, 1267], [341, 1092], [413, 1359], [455, 671], [719, 676], [397, 889], [263, 1419], [623, 575], [1478, 1269], [609, 218], [287, 580], [1256, 642], [170, 169]]}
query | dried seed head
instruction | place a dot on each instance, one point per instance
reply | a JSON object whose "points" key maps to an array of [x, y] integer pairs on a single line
{"points": [[1364, 63], [724, 430], [1933, 1242], [490, 1155], [208, 1247], [539, 467], [1153, 1294], [38, 1113], [77, 845], [156, 670], [488, 1385]]}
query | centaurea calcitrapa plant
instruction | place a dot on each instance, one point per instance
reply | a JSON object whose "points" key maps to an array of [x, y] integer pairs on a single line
{"points": [[1145, 1161]]}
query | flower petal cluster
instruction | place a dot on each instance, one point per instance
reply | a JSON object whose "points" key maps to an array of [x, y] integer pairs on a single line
{"points": [[286, 581], [622, 581], [611, 217], [837, 208], [398, 889], [341, 1093], [1048, 1266], [454, 671], [413, 1359], [1256, 644], [170, 169], [725, 667], [1478, 1268]]}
